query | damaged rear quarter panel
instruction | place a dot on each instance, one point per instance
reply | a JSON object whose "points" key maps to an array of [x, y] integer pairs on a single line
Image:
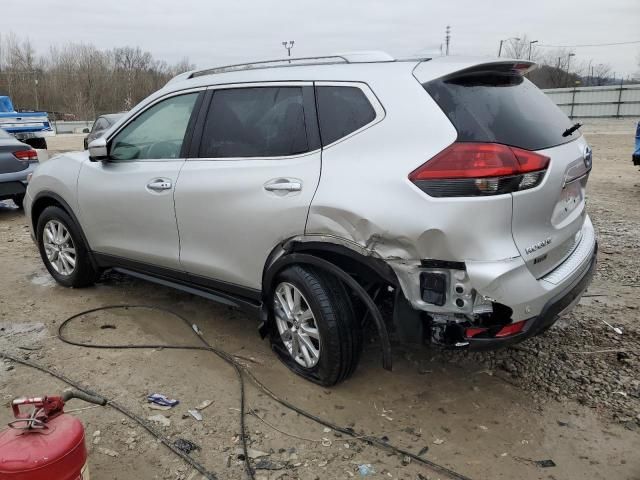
{"points": [[365, 197]]}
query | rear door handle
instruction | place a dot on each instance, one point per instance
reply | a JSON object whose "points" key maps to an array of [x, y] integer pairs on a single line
{"points": [[283, 185], [159, 185]]}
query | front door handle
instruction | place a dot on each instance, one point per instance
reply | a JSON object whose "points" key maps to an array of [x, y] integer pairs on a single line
{"points": [[159, 185], [283, 185]]}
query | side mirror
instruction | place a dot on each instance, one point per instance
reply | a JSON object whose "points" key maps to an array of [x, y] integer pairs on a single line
{"points": [[98, 150]]}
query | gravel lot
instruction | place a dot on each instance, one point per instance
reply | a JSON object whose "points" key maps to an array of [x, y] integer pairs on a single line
{"points": [[571, 395]]}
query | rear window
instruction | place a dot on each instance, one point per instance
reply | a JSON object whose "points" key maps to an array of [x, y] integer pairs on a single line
{"points": [[501, 108], [341, 111]]}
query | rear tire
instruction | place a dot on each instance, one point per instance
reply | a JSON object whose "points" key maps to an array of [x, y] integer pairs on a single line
{"points": [[19, 201], [63, 250], [339, 334]]}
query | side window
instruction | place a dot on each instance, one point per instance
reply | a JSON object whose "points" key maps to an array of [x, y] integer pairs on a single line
{"points": [[156, 133], [341, 111], [255, 122]]}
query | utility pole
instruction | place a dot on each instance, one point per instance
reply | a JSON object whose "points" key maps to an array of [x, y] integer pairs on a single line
{"points": [[35, 88], [530, 45], [447, 38], [568, 62], [506, 40], [288, 45]]}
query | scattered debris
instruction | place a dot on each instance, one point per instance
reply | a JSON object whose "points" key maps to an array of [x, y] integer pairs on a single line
{"points": [[406, 460], [366, 469], [423, 450], [160, 419], [195, 414], [154, 406], [204, 404], [545, 463], [266, 464], [108, 452], [438, 441], [162, 400], [185, 446], [253, 454], [615, 329], [196, 329]]}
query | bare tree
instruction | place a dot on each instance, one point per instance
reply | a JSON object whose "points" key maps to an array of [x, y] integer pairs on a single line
{"points": [[79, 80]]}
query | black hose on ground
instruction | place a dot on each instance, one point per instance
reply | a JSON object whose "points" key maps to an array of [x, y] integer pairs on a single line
{"points": [[239, 369]]}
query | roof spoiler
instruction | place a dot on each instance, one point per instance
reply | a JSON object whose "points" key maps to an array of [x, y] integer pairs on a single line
{"points": [[511, 67]]}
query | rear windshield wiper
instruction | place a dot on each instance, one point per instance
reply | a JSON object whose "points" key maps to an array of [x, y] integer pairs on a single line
{"points": [[570, 130]]}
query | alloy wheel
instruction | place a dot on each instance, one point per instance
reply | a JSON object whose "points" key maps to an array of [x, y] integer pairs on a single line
{"points": [[297, 325], [59, 247]]}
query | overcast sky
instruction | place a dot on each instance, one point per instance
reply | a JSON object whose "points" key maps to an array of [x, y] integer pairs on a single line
{"points": [[211, 32]]}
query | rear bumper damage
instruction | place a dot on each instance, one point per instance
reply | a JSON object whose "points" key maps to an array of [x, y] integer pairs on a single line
{"points": [[553, 309], [497, 303]]}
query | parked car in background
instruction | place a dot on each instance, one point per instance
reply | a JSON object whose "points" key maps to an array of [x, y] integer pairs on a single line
{"points": [[17, 161], [29, 127], [102, 123], [306, 190]]}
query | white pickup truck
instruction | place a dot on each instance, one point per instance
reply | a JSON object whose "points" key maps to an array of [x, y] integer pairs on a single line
{"points": [[29, 127]]}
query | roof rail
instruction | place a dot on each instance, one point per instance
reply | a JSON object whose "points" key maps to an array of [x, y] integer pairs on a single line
{"points": [[281, 62], [352, 57]]}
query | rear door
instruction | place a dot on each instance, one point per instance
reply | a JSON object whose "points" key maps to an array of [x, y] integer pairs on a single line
{"points": [[126, 201], [492, 105], [256, 169]]}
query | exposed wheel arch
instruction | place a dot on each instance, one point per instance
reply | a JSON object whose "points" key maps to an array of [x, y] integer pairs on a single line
{"points": [[352, 268]]}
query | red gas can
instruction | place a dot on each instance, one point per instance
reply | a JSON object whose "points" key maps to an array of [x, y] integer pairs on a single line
{"points": [[44, 444]]}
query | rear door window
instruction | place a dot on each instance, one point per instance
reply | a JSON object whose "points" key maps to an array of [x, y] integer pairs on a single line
{"points": [[255, 122], [342, 110], [501, 108]]}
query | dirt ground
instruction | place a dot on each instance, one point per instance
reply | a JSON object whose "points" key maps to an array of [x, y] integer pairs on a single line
{"points": [[487, 416]]}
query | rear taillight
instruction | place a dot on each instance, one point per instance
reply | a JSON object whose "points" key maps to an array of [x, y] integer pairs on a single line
{"points": [[26, 155], [473, 169]]}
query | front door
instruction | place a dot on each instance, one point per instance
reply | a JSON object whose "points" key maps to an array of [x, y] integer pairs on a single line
{"points": [[257, 169], [126, 202]]}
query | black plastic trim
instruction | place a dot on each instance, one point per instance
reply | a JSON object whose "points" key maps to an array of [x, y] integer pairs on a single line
{"points": [[448, 264], [186, 141], [237, 296]]}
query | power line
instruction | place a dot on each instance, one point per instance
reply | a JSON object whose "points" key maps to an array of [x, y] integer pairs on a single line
{"points": [[590, 45]]}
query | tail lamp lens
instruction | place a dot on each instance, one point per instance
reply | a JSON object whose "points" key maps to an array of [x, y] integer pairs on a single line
{"points": [[26, 155], [477, 169]]}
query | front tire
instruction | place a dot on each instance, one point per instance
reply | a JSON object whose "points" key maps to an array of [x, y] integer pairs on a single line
{"points": [[314, 330], [63, 250]]}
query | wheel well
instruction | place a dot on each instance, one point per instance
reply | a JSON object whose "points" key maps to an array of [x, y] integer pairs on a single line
{"points": [[38, 207], [367, 271]]}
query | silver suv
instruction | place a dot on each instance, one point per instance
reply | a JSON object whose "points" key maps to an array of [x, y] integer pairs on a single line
{"points": [[446, 193]]}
